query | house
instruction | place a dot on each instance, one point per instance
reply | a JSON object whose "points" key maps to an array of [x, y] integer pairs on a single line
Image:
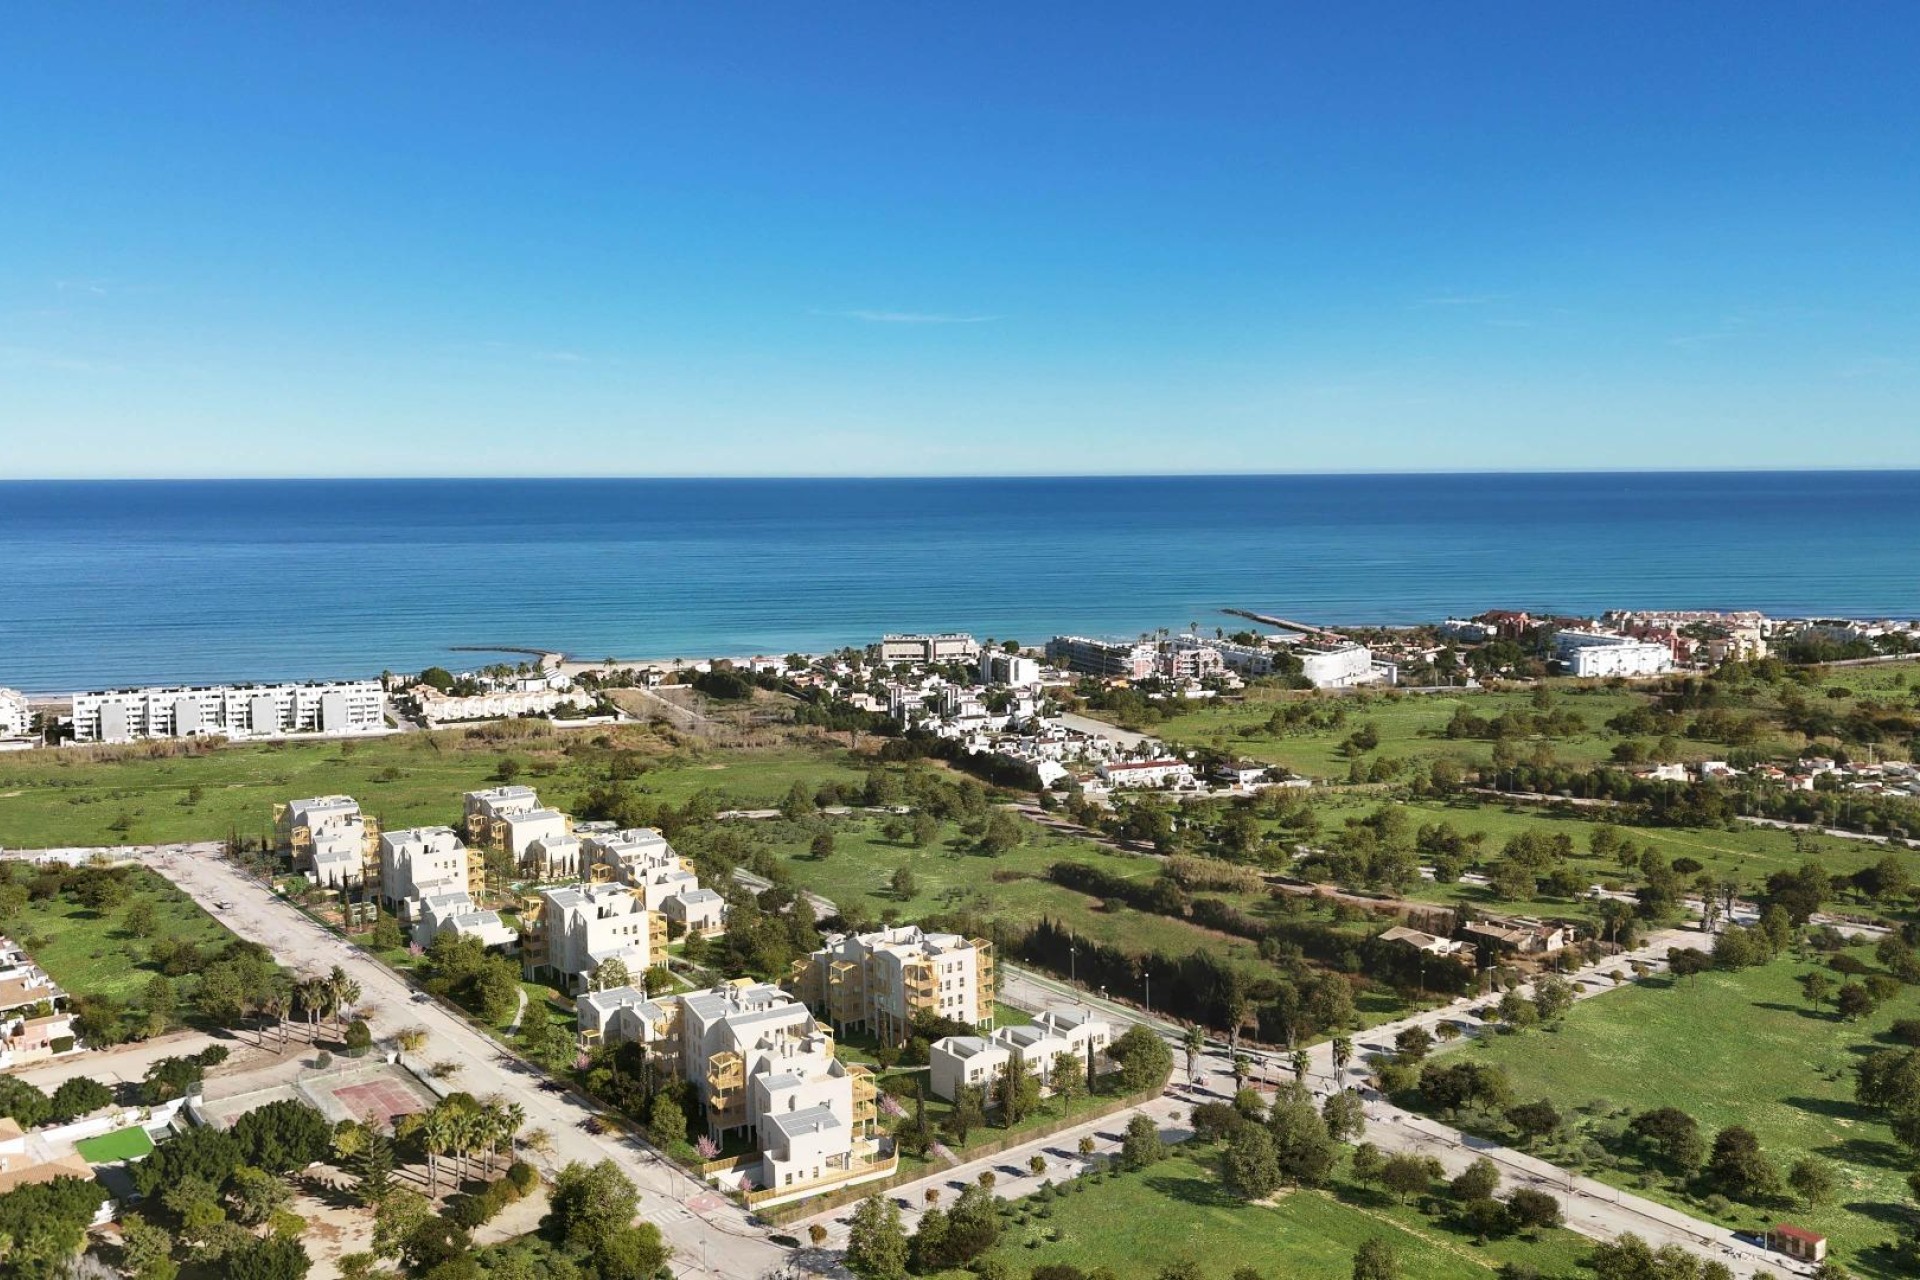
{"points": [[580, 929], [1241, 773], [1427, 943], [1520, 937], [700, 911], [35, 1023], [1594, 654], [23, 1160], [954, 1061], [879, 981], [1797, 1242], [452, 911]]}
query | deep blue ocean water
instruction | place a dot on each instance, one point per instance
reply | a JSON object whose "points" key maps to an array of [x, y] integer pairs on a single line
{"points": [[136, 582]]}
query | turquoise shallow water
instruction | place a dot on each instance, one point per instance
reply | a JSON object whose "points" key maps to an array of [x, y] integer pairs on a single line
{"points": [[131, 582]]}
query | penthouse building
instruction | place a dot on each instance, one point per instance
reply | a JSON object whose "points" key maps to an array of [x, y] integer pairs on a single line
{"points": [[1124, 660], [330, 839], [578, 930], [232, 711], [641, 859], [511, 818], [760, 1065], [950, 646], [421, 862], [879, 981]]}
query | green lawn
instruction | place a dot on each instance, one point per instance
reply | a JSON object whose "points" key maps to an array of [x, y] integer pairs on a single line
{"points": [[122, 1144], [1176, 1210], [92, 953], [1731, 1048], [141, 794]]}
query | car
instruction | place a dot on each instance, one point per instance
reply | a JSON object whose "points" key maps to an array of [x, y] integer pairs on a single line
{"points": [[223, 906]]}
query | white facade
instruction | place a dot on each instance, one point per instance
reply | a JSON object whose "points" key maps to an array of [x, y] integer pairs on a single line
{"points": [[700, 911], [1122, 660], [1008, 668], [1596, 654], [232, 711], [500, 704], [418, 862], [642, 859], [16, 719], [1146, 773], [980, 1060], [880, 980], [1337, 666], [584, 928], [950, 646], [452, 911], [553, 858], [1247, 659], [329, 838]]}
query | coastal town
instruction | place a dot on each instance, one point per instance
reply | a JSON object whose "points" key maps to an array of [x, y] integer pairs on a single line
{"points": [[674, 990]]}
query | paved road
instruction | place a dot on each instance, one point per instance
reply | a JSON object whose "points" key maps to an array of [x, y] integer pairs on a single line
{"points": [[710, 1234]]}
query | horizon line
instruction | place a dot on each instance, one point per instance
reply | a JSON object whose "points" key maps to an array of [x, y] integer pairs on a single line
{"points": [[308, 478]]}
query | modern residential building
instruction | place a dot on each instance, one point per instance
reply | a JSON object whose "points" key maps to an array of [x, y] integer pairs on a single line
{"points": [[947, 647], [498, 704], [1247, 659], [1126, 660], [16, 717], [1189, 661], [1336, 665], [641, 858], [35, 1023], [554, 858], [420, 862], [1008, 668], [579, 929], [700, 911], [1596, 654], [879, 981], [980, 1060], [760, 1065], [453, 911], [485, 812], [1155, 774], [232, 711], [329, 839]]}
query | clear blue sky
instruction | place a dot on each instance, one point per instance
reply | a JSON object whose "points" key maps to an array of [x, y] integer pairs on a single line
{"points": [[417, 239]]}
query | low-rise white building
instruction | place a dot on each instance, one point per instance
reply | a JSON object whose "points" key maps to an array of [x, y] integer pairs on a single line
{"points": [[35, 1022], [1008, 669], [1597, 654], [16, 717], [979, 1061], [951, 646], [554, 858], [1337, 665], [336, 707], [700, 911], [499, 704], [1155, 774], [1125, 660], [329, 839], [453, 911]]}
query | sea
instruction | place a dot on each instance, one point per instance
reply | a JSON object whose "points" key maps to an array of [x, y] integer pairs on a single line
{"points": [[139, 582]]}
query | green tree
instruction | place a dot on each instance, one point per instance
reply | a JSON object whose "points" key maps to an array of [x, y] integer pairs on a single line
{"points": [[1738, 1167], [666, 1122], [876, 1241], [1534, 1210], [257, 1195], [1068, 1078], [1406, 1176], [1478, 1181], [798, 802], [968, 1114], [1141, 1145], [1250, 1166], [1369, 1164], [1375, 1259], [822, 847], [1345, 1115], [589, 1202], [1144, 1058], [1552, 997], [1812, 1180], [1816, 987]]}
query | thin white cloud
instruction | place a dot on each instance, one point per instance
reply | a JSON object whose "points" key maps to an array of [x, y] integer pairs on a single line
{"points": [[1460, 300], [906, 317], [96, 287], [560, 357]]}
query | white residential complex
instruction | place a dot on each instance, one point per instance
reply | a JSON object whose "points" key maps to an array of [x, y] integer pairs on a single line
{"points": [[760, 1064], [1153, 774], [453, 911], [511, 818], [1338, 665], [980, 1060], [1598, 653], [16, 718], [579, 929], [335, 844], [233, 711], [879, 981], [948, 647], [502, 704], [1009, 669], [1125, 660]]}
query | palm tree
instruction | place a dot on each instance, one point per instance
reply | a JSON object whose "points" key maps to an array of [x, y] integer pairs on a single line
{"points": [[346, 992], [436, 1136], [273, 1003], [1196, 1045], [315, 999], [1342, 1055], [539, 1142], [1300, 1064]]}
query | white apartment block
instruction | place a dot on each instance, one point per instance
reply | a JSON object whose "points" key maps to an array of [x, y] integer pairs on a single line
{"points": [[947, 647], [1247, 659], [1124, 660], [330, 840], [1189, 662], [501, 704], [418, 862], [16, 718], [643, 860], [580, 929], [1598, 653], [762, 1065], [1153, 774], [233, 711], [1009, 669], [1337, 666], [980, 1060], [880, 980]]}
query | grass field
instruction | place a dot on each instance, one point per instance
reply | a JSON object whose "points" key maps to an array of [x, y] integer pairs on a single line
{"points": [[92, 953], [151, 793], [1733, 1048], [122, 1144], [1176, 1210]]}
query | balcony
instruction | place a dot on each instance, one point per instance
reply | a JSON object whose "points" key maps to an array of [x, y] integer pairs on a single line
{"points": [[862, 1166]]}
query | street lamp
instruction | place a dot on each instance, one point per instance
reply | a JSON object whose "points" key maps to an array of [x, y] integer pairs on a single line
{"points": [[1149, 981], [1073, 964]]}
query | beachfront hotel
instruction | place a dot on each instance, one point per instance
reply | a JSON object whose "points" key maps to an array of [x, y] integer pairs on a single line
{"points": [[951, 646], [762, 1065], [879, 981], [230, 711]]}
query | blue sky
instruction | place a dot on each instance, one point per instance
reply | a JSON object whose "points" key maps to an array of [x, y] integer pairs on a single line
{"points": [[910, 239]]}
